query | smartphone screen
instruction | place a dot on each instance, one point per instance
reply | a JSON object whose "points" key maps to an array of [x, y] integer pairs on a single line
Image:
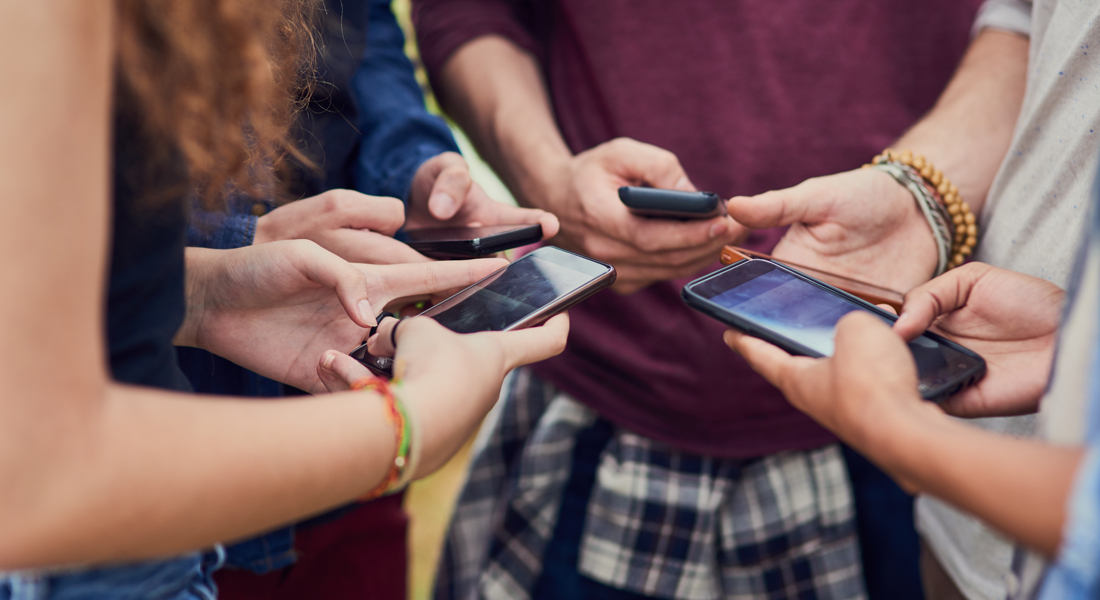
{"points": [[544, 279], [776, 304]]}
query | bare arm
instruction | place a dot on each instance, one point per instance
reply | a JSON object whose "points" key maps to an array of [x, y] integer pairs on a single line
{"points": [[495, 91], [1020, 487], [95, 471], [967, 132]]}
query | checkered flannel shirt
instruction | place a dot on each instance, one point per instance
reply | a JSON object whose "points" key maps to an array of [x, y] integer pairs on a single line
{"points": [[659, 522]]}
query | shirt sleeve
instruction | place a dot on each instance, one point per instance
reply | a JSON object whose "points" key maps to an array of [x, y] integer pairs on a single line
{"points": [[232, 227], [1006, 15], [398, 132], [442, 26], [1076, 573]]}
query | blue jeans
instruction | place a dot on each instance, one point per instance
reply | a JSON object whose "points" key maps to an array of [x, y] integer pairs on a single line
{"points": [[185, 577]]}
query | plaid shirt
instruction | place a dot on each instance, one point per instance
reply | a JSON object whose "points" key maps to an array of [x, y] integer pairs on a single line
{"points": [[659, 522]]}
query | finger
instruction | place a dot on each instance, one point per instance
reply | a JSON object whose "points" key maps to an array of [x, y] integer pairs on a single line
{"points": [[368, 247], [381, 343], [634, 160], [450, 188], [772, 362], [940, 296], [400, 281], [534, 344], [338, 371], [803, 203], [888, 308], [331, 271], [870, 352], [490, 212], [663, 235], [349, 209]]}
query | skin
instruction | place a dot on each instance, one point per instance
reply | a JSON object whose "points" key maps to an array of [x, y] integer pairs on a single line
{"points": [[507, 114], [865, 225], [94, 471], [360, 228], [866, 394]]}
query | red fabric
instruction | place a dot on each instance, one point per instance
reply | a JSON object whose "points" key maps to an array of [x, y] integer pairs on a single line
{"points": [[751, 96], [359, 556]]}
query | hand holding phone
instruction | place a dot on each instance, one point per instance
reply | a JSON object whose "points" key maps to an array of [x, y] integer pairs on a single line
{"points": [[798, 313], [672, 204], [526, 293]]}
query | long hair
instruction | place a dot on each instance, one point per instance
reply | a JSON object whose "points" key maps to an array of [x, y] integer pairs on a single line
{"points": [[218, 82]]}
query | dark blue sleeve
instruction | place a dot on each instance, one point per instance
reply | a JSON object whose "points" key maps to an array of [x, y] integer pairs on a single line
{"points": [[399, 134], [232, 227]]}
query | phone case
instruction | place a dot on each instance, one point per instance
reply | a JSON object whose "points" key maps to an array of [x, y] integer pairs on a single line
{"points": [[861, 289], [671, 204], [702, 305], [456, 249]]}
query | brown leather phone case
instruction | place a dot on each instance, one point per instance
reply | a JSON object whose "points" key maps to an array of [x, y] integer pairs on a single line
{"points": [[860, 289]]}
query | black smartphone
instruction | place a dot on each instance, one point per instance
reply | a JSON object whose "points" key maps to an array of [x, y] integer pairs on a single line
{"points": [[671, 204], [471, 242], [799, 314], [525, 293]]}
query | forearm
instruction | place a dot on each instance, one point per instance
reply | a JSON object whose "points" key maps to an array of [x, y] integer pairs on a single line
{"points": [[1020, 487], [967, 133], [149, 473], [506, 112]]}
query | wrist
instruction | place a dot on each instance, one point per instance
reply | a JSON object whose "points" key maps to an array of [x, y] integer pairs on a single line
{"points": [[539, 165], [897, 438], [199, 264]]}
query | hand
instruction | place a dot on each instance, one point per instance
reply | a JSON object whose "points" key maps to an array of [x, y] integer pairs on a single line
{"points": [[443, 194], [275, 308], [861, 224], [1010, 319], [353, 226], [596, 223], [867, 386], [450, 381]]}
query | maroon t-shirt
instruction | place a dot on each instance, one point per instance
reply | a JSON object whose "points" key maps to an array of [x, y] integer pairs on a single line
{"points": [[751, 96]]}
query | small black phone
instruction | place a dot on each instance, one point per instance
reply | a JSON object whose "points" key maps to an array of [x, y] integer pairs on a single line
{"points": [[526, 293], [471, 242], [798, 313], [671, 204]]}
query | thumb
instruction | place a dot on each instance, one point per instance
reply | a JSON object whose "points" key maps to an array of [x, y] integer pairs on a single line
{"points": [[657, 167], [450, 188], [800, 204], [868, 350]]}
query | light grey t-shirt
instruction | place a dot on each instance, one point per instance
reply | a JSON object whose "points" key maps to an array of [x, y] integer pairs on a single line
{"points": [[1032, 222]]}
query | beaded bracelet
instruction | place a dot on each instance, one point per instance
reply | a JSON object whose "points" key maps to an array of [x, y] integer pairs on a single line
{"points": [[404, 463], [963, 220]]}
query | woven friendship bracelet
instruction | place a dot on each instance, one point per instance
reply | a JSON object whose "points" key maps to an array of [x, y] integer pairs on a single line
{"points": [[407, 450]]}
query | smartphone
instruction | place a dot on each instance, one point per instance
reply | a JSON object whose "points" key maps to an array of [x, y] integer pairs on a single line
{"points": [[798, 313], [670, 204], [870, 292], [525, 293], [471, 242]]}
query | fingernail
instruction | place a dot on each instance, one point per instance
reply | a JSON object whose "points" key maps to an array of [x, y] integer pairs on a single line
{"points": [[327, 363], [443, 205], [683, 183], [365, 313], [719, 229]]}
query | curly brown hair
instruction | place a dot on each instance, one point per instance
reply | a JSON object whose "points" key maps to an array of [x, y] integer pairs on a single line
{"points": [[220, 82]]}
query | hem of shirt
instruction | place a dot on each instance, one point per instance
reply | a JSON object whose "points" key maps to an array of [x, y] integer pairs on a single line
{"points": [[757, 438]]}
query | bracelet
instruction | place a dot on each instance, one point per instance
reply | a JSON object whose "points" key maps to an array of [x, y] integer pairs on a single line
{"points": [[963, 221], [404, 463], [938, 218]]}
